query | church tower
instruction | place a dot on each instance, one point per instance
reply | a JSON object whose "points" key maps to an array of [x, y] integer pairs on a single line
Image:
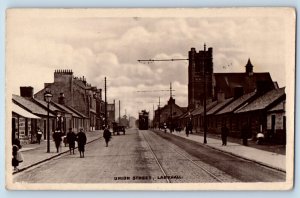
{"points": [[200, 74]]}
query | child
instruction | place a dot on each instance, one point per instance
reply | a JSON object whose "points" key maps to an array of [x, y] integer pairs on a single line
{"points": [[17, 157]]}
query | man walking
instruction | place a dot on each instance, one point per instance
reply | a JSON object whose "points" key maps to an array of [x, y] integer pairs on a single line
{"points": [[71, 138], [81, 140], [224, 134], [106, 135]]}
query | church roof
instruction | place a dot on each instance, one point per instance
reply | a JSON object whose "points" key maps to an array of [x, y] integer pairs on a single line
{"points": [[228, 81]]}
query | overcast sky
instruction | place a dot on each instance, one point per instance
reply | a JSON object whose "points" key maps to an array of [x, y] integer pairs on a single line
{"points": [[96, 47]]}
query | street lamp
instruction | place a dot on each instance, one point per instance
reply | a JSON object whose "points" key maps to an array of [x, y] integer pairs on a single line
{"points": [[47, 98]]}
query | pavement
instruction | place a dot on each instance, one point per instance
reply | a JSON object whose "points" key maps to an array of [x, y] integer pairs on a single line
{"points": [[263, 157], [35, 154]]}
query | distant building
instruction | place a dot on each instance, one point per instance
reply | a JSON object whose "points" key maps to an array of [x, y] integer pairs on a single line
{"points": [[163, 114], [111, 113]]}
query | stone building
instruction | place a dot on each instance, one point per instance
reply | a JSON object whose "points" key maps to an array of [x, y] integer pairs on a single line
{"points": [[111, 114], [77, 93], [203, 82], [229, 97], [200, 74]]}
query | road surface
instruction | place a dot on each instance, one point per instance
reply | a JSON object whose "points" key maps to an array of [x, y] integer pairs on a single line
{"points": [[143, 156]]}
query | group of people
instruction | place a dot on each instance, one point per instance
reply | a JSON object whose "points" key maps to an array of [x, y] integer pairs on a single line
{"points": [[71, 138]]}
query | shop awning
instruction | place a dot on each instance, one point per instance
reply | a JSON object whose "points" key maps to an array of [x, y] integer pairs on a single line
{"points": [[22, 112]]}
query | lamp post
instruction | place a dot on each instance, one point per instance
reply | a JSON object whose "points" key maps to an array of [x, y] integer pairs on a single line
{"points": [[48, 97]]}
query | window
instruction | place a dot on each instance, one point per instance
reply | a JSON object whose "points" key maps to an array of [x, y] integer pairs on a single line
{"points": [[26, 127], [273, 123]]}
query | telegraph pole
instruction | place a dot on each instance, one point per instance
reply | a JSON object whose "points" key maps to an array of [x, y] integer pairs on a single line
{"points": [[158, 112], [204, 104], [105, 106], [171, 110], [153, 117], [119, 112]]}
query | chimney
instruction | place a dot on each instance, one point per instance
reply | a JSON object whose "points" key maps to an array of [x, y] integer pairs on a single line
{"points": [[100, 93], [61, 99], [238, 92], [26, 92], [84, 80], [221, 96], [263, 86]]}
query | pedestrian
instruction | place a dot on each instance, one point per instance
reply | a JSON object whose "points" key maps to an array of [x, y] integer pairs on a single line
{"points": [[244, 134], [106, 135], [260, 138], [39, 135], [81, 141], [224, 134], [71, 138], [16, 154], [57, 139], [187, 130]]}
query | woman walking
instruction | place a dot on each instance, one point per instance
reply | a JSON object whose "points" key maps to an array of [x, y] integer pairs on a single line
{"points": [[57, 139]]}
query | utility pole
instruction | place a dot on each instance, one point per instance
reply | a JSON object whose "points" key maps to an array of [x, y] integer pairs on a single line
{"points": [[171, 110], [119, 112], [158, 112], [204, 104], [105, 106], [153, 117]]}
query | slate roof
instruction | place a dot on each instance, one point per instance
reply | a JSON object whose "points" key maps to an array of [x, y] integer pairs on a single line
{"points": [[77, 112], [183, 115], [219, 106], [67, 110], [30, 106], [200, 110], [278, 107], [44, 104], [264, 101], [236, 103]]}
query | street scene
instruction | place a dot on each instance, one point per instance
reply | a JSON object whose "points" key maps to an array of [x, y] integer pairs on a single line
{"points": [[98, 98], [152, 157]]}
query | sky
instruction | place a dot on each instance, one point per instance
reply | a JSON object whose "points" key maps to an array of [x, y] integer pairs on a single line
{"points": [[95, 46]]}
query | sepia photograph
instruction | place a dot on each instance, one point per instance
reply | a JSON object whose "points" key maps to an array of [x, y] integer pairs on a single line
{"points": [[150, 99]]}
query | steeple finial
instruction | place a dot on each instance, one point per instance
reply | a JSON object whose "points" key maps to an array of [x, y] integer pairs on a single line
{"points": [[249, 67]]}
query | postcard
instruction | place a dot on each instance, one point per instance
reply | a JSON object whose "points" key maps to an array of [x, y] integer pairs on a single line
{"points": [[150, 99]]}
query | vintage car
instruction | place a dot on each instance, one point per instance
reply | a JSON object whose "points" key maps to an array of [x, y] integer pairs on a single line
{"points": [[118, 129]]}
